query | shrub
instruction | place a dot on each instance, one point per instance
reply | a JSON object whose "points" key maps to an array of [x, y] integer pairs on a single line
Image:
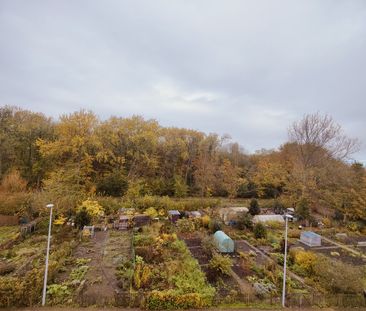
{"points": [[167, 228], [221, 264], [274, 225], [152, 212], [93, 208], [16, 203], [302, 209], [278, 207], [338, 277], [214, 225], [254, 208], [205, 221], [110, 205], [338, 215], [169, 299], [245, 222], [82, 219], [208, 245], [327, 222], [13, 183], [142, 273], [114, 184], [260, 231], [305, 262], [185, 225]]}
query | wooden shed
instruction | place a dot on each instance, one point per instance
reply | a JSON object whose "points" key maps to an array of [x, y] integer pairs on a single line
{"points": [[230, 215], [173, 215], [29, 227], [122, 223], [141, 220]]}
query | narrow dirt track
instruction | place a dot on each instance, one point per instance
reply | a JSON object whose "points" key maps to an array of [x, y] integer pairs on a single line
{"points": [[345, 247], [104, 251]]}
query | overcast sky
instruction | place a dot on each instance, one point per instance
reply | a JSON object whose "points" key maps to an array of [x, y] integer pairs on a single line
{"points": [[246, 68]]}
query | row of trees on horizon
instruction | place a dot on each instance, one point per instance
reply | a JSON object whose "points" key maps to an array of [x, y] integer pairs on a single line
{"points": [[81, 154]]}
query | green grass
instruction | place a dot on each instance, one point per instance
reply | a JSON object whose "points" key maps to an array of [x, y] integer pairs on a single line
{"points": [[7, 233]]}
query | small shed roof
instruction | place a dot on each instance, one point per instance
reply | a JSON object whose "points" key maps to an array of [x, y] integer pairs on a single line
{"points": [[265, 218], [233, 209], [310, 234], [141, 216], [173, 212], [124, 217], [195, 214], [238, 209]]}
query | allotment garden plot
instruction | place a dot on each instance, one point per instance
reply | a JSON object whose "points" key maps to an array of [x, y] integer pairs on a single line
{"points": [[90, 275]]}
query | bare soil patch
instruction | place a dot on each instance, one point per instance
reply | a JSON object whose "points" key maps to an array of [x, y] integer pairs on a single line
{"points": [[105, 251]]}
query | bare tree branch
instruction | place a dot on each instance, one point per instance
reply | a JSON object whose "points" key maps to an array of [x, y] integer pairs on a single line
{"points": [[320, 136]]}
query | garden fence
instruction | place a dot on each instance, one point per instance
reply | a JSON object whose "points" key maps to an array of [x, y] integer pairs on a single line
{"points": [[321, 300]]}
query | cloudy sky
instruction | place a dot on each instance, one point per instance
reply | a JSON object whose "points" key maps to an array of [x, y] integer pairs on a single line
{"points": [[246, 68]]}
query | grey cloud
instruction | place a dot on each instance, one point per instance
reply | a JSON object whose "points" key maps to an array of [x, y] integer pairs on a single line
{"points": [[247, 68]]}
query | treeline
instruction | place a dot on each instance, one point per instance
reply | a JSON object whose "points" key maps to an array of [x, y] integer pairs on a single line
{"points": [[80, 155]]}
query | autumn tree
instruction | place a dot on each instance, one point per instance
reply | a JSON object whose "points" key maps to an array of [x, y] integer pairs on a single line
{"points": [[206, 164], [73, 154], [19, 132], [229, 178], [270, 176], [318, 145]]}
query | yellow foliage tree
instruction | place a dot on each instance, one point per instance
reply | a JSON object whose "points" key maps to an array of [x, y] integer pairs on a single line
{"points": [[60, 220], [306, 260], [269, 173], [93, 208]]}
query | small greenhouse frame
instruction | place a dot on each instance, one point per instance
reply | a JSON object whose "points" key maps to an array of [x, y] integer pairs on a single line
{"points": [[223, 242]]}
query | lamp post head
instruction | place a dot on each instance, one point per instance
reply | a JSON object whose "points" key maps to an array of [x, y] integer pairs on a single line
{"points": [[289, 216], [49, 205]]}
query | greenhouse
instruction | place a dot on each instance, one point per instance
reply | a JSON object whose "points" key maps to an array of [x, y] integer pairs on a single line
{"points": [[230, 215], [310, 238], [223, 242], [268, 218]]}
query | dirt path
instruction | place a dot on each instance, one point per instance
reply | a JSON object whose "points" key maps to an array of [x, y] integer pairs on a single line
{"points": [[105, 251], [345, 247]]}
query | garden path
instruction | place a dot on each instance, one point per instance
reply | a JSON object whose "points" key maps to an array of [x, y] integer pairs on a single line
{"points": [[345, 247], [105, 250]]}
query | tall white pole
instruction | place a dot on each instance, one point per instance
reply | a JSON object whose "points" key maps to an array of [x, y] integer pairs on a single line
{"points": [[47, 255], [284, 267]]}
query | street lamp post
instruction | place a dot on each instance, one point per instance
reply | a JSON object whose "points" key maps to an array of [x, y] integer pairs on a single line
{"points": [[287, 217], [50, 206]]}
